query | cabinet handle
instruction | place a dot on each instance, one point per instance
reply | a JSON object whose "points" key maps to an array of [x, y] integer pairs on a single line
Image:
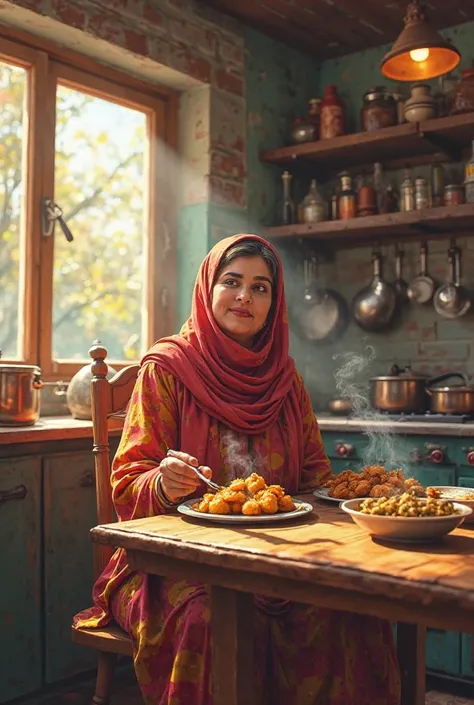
{"points": [[15, 493], [87, 479]]}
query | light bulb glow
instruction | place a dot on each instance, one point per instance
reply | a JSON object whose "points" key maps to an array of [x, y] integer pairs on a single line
{"points": [[419, 55]]}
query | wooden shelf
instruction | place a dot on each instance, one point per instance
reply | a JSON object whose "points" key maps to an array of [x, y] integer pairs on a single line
{"points": [[432, 223], [393, 146]]}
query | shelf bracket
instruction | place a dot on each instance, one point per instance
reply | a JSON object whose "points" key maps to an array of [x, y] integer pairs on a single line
{"points": [[442, 144]]}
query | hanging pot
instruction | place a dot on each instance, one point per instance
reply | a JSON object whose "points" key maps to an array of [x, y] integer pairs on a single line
{"points": [[323, 313], [374, 307]]}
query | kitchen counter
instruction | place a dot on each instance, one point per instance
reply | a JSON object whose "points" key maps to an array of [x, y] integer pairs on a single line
{"points": [[50, 428], [348, 424]]}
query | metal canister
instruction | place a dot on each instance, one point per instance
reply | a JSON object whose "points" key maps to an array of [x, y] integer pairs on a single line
{"points": [[422, 198], [453, 195], [437, 185], [407, 195]]}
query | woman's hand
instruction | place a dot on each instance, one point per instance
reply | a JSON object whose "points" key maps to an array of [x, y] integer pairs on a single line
{"points": [[177, 478]]}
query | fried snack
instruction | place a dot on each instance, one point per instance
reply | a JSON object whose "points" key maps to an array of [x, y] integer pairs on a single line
{"points": [[407, 505], [373, 481], [251, 508], [250, 497]]}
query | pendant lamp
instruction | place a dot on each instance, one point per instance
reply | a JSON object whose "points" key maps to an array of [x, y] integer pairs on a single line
{"points": [[420, 52]]}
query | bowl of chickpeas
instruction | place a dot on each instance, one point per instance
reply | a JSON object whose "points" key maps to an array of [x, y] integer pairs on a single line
{"points": [[406, 517]]}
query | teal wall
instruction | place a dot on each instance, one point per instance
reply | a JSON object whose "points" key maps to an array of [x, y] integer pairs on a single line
{"points": [[280, 81]]}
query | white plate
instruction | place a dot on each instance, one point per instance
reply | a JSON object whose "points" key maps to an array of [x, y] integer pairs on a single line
{"points": [[406, 529], [302, 508], [452, 496], [322, 493]]}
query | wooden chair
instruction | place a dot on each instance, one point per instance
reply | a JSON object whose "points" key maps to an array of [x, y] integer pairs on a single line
{"points": [[109, 401]]}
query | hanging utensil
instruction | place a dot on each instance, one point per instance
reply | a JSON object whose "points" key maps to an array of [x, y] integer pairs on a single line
{"points": [[421, 289], [400, 284], [374, 306], [323, 314], [452, 300]]}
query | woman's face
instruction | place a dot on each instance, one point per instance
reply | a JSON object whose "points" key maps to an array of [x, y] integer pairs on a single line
{"points": [[242, 297]]}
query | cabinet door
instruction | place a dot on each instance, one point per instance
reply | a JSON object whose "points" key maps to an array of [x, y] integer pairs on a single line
{"points": [[467, 655], [69, 514], [434, 474], [20, 604], [443, 651]]}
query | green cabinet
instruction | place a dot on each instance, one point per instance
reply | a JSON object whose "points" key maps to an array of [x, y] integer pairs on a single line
{"points": [[21, 592], [443, 651], [69, 514]]}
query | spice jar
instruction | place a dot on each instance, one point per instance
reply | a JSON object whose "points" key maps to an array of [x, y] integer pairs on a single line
{"points": [[347, 205], [421, 105], [453, 195], [366, 201], [469, 178], [333, 114], [407, 194], [379, 109], [463, 99], [422, 197], [437, 185]]}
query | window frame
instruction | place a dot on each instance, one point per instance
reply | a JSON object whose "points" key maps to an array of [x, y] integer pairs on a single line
{"points": [[46, 70]]}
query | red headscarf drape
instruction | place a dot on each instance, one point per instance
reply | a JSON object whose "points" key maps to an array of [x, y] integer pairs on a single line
{"points": [[246, 390]]}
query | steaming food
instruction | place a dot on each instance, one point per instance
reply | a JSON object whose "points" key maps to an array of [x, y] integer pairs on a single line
{"points": [[250, 497], [373, 481], [407, 505]]}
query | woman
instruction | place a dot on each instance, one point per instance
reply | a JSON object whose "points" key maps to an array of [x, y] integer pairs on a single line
{"points": [[226, 395]]}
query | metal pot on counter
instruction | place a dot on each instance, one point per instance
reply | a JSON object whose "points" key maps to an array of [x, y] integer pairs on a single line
{"points": [[403, 391], [452, 399], [20, 387]]}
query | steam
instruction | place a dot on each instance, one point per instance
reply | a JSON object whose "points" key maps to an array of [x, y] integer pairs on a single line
{"points": [[240, 460], [383, 448]]}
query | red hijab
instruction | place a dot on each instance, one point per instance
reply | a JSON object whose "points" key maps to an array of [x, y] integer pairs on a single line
{"points": [[246, 390]]}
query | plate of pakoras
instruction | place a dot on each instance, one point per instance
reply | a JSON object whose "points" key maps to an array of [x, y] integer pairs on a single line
{"points": [[372, 481], [246, 500]]}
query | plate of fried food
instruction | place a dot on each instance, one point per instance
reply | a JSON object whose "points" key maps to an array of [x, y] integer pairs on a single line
{"points": [[461, 495], [246, 500], [372, 481], [406, 518]]}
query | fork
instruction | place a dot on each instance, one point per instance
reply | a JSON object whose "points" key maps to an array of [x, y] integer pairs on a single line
{"points": [[213, 485]]}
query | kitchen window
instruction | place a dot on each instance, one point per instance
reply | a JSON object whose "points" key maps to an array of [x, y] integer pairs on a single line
{"points": [[84, 161]]}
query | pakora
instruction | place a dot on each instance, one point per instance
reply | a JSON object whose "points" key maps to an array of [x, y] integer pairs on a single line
{"points": [[250, 496], [372, 481]]}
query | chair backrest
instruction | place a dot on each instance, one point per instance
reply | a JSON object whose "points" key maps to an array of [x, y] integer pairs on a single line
{"points": [[109, 402]]}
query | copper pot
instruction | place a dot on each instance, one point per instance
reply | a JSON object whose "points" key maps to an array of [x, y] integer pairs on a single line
{"points": [[403, 391], [452, 399], [340, 406], [19, 394]]}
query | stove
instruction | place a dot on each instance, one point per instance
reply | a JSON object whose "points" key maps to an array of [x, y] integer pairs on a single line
{"points": [[428, 417]]}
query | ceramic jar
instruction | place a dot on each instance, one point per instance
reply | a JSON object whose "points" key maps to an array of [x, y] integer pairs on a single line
{"points": [[333, 114], [463, 99], [421, 105]]}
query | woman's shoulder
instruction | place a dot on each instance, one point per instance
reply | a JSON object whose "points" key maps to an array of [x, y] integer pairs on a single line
{"points": [[151, 371]]}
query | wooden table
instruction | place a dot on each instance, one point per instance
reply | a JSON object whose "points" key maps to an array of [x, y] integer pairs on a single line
{"points": [[324, 559]]}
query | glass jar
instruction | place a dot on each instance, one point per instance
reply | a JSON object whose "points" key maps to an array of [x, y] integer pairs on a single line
{"points": [[453, 195], [379, 109], [314, 206], [463, 99], [333, 114], [347, 205], [422, 197]]}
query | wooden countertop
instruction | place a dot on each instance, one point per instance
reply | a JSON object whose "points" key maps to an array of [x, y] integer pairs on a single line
{"points": [[50, 428]]}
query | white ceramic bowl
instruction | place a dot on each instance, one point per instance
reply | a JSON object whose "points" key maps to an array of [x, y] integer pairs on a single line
{"points": [[406, 529], [452, 493]]}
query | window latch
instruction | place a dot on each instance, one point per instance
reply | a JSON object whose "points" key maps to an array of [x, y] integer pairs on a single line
{"points": [[51, 213]]}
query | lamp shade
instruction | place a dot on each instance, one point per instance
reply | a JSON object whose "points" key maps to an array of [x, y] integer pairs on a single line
{"points": [[420, 52]]}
